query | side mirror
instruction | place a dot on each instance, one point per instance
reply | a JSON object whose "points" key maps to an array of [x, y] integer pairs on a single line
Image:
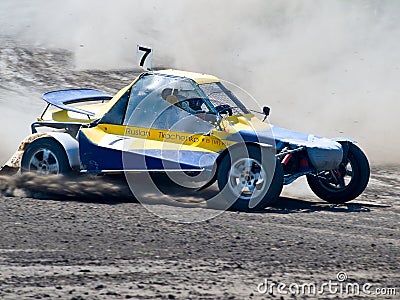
{"points": [[266, 111]]}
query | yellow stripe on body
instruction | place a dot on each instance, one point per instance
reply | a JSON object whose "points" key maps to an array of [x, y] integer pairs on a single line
{"points": [[95, 134], [150, 138]]}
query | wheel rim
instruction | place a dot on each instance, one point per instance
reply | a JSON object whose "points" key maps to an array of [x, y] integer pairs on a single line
{"points": [[44, 162], [247, 178], [338, 179]]}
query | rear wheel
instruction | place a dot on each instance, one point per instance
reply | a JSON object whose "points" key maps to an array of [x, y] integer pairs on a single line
{"points": [[252, 181], [45, 156], [346, 182]]}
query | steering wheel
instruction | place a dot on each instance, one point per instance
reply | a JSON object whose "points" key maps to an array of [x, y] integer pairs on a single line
{"points": [[223, 109]]}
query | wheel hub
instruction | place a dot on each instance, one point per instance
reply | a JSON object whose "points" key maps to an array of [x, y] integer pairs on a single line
{"points": [[44, 162], [246, 178]]}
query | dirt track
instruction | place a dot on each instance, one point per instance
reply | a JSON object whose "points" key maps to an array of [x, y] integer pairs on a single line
{"points": [[108, 249], [84, 239]]}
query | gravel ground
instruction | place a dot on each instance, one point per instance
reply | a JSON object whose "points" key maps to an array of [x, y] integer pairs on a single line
{"points": [[101, 247]]}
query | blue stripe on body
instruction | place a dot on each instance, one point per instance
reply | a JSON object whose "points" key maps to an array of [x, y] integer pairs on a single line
{"points": [[97, 158]]}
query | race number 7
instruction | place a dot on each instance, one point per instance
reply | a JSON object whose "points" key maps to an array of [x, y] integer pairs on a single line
{"points": [[144, 57]]}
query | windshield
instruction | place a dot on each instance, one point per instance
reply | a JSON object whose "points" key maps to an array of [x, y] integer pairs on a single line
{"points": [[169, 103], [220, 96]]}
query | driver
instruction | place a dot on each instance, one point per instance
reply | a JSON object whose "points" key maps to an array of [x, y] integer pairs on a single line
{"points": [[182, 104], [171, 114], [175, 97]]}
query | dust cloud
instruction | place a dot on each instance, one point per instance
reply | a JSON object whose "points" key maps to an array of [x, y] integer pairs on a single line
{"points": [[326, 67], [15, 121], [62, 187]]}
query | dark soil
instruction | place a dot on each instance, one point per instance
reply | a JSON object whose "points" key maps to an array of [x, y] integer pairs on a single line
{"points": [[104, 248]]}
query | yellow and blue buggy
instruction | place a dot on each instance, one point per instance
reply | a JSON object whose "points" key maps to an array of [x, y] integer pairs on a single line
{"points": [[183, 122]]}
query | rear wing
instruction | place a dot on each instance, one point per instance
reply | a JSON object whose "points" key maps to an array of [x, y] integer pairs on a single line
{"points": [[63, 98]]}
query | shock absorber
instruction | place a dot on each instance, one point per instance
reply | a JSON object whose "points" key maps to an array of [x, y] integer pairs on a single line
{"points": [[286, 159]]}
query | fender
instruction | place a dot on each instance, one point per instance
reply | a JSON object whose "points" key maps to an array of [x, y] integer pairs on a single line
{"points": [[71, 147], [345, 145], [245, 144], [344, 139], [69, 144]]}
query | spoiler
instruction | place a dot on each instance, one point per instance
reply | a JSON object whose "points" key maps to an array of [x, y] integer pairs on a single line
{"points": [[63, 98]]}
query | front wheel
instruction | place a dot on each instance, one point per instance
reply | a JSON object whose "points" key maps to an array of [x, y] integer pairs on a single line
{"points": [[251, 180], [346, 182], [45, 156]]}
